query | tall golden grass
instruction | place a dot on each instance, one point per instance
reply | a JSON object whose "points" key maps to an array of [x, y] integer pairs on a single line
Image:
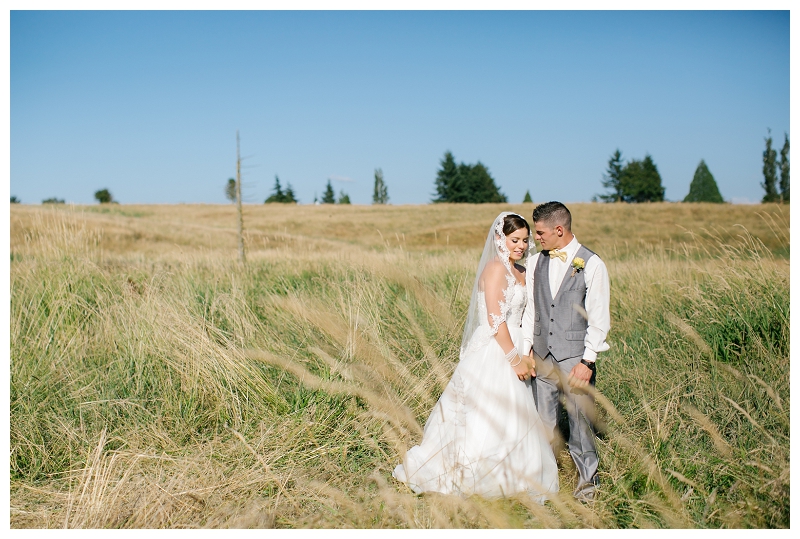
{"points": [[156, 383]]}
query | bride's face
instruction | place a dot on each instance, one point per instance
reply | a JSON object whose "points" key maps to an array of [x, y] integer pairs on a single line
{"points": [[517, 243]]}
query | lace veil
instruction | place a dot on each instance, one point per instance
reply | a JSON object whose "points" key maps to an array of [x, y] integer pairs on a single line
{"points": [[492, 290]]}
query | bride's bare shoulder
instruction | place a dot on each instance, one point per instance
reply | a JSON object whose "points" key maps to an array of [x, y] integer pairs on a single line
{"points": [[494, 268], [493, 275]]}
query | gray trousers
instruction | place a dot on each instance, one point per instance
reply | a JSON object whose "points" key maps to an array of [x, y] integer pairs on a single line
{"points": [[551, 381]]}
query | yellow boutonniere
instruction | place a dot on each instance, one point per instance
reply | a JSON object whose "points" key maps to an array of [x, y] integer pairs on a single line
{"points": [[577, 265]]}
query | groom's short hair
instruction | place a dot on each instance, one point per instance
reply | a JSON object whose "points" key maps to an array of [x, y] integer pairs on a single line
{"points": [[553, 213]]}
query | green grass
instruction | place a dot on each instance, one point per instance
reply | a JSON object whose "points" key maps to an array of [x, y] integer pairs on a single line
{"points": [[154, 388]]}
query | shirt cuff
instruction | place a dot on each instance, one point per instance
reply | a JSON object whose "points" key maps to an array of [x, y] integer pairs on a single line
{"points": [[589, 355], [526, 347]]}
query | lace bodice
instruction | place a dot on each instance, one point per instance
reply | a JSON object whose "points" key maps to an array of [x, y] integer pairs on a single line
{"points": [[516, 304]]}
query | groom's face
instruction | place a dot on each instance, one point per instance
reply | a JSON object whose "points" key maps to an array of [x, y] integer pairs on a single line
{"points": [[548, 236]]}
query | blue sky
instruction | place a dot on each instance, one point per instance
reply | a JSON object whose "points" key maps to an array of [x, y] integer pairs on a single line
{"points": [[147, 103]]}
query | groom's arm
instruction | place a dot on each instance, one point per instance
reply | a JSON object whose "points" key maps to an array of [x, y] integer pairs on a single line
{"points": [[598, 298], [598, 317], [528, 316]]}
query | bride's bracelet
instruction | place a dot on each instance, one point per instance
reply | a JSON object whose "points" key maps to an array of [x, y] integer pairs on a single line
{"points": [[510, 356]]}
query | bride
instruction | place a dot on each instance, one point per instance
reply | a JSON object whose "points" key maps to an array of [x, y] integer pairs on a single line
{"points": [[484, 435]]}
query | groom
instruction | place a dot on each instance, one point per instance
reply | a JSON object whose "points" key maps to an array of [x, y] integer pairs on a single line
{"points": [[568, 288]]}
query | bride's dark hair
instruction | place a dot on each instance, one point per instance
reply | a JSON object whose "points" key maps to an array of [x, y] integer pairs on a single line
{"points": [[513, 222]]}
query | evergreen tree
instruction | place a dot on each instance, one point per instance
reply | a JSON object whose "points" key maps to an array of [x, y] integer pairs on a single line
{"points": [[288, 196], [629, 179], [703, 187], [15, 200], [480, 186], [328, 197], [103, 196], [277, 193], [446, 179], [380, 195], [652, 189], [230, 190], [344, 198], [654, 186], [770, 193], [784, 166], [527, 197], [640, 181], [465, 183], [611, 179], [53, 200], [460, 188]]}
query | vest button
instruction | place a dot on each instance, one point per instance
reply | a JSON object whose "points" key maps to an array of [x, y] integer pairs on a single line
{"points": [[551, 320], [551, 333], [550, 346], [553, 305]]}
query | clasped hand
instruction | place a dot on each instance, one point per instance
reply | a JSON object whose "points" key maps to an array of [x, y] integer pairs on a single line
{"points": [[525, 369]]}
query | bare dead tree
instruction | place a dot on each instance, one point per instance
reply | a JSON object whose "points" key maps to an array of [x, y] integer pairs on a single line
{"points": [[239, 199]]}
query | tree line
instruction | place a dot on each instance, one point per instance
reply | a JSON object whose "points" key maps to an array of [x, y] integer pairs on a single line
{"points": [[103, 196], [639, 181], [632, 182], [280, 195], [454, 183]]}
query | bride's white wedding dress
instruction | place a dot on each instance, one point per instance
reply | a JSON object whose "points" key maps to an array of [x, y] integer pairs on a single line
{"points": [[484, 436]]}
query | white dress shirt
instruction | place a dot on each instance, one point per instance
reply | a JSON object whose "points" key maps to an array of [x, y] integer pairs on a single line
{"points": [[598, 298]]}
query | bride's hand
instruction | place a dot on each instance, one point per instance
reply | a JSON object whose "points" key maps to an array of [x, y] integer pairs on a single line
{"points": [[525, 369]]}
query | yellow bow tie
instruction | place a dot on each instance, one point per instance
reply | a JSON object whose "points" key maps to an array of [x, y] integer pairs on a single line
{"points": [[555, 253]]}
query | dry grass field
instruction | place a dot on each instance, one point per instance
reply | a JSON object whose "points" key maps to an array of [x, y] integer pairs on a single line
{"points": [[158, 383]]}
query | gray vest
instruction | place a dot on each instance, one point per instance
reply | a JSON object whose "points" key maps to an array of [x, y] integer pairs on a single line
{"points": [[559, 327]]}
